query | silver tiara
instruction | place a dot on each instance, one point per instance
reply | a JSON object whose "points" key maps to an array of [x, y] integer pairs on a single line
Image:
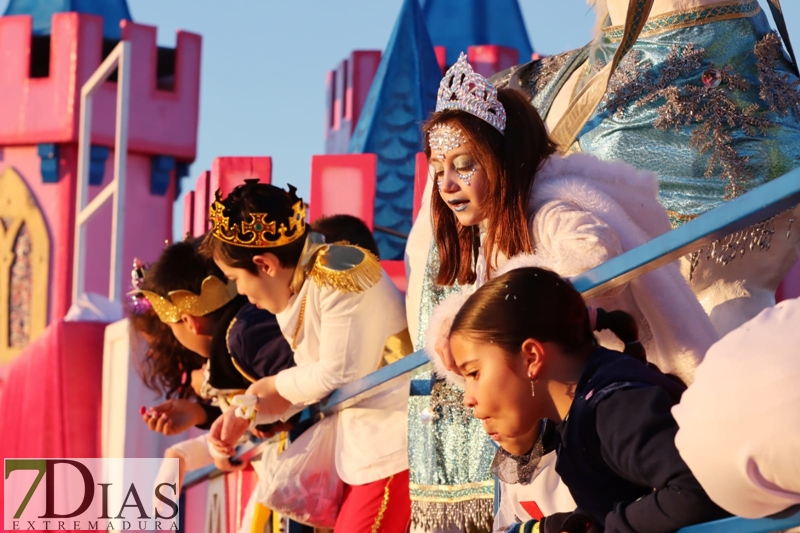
{"points": [[463, 88]]}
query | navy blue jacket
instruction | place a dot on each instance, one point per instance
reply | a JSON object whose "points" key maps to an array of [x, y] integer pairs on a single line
{"points": [[248, 338], [617, 450]]}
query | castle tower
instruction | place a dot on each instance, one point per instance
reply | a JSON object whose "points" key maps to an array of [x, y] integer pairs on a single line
{"points": [[402, 95], [49, 50], [456, 25]]}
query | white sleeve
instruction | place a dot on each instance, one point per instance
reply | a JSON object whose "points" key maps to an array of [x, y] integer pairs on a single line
{"points": [[418, 247], [572, 239], [350, 346], [194, 452]]}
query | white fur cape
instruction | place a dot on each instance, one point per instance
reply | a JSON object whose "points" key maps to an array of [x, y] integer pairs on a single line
{"points": [[584, 211]]}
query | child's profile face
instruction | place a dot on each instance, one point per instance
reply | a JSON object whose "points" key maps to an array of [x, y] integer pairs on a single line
{"points": [[267, 289], [499, 391]]}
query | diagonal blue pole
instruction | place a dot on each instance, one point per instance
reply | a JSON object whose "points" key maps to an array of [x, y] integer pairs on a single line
{"points": [[757, 205], [751, 208]]}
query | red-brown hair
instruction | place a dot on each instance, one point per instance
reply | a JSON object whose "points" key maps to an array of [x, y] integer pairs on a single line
{"points": [[510, 163]]}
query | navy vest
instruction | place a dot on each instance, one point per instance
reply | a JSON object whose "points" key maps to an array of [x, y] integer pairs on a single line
{"points": [[594, 486]]}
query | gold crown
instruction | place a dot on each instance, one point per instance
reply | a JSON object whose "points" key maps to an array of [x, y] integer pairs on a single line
{"points": [[214, 293], [258, 227]]}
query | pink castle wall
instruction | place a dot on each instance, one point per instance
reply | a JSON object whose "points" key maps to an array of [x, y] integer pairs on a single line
{"points": [[162, 122], [147, 221], [37, 110]]}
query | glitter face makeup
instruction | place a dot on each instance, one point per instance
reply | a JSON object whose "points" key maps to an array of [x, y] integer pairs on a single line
{"points": [[443, 138]]}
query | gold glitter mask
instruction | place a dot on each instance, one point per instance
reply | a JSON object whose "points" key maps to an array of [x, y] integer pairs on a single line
{"points": [[214, 293], [443, 138]]}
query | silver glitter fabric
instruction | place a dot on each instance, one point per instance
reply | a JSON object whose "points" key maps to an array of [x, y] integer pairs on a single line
{"points": [[711, 108], [778, 90], [451, 483], [464, 89], [450, 456], [754, 238]]}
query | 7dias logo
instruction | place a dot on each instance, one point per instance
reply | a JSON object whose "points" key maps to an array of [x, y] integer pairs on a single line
{"points": [[90, 494]]}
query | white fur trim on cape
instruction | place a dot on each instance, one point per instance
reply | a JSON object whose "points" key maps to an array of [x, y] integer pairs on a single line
{"points": [[597, 186], [442, 314], [523, 261], [586, 211]]}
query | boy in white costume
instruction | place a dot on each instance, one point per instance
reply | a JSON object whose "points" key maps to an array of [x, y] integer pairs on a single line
{"points": [[344, 318]]}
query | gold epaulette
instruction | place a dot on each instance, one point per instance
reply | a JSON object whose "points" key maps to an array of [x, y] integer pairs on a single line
{"points": [[346, 268]]}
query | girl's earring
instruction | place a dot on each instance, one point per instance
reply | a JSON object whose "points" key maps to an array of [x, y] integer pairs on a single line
{"points": [[533, 389]]}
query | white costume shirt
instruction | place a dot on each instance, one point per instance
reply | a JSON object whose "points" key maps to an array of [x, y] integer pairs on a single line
{"points": [[545, 495], [340, 340]]}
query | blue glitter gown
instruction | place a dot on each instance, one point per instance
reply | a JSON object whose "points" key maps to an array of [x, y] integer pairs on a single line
{"points": [[706, 99]]}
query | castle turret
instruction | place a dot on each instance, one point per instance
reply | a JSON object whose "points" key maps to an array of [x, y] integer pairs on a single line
{"points": [[456, 25], [49, 50], [402, 96]]}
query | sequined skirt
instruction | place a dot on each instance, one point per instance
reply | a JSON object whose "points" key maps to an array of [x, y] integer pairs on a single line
{"points": [[450, 456]]}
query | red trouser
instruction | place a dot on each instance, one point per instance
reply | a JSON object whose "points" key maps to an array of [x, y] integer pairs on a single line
{"points": [[383, 506]]}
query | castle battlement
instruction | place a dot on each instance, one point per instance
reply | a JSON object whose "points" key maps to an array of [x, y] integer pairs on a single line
{"points": [[41, 79], [346, 90]]}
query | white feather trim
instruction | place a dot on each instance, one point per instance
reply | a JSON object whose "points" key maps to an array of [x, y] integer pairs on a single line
{"points": [[441, 317], [524, 261]]}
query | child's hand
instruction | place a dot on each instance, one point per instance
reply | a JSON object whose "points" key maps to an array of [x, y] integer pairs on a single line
{"points": [[443, 347], [269, 400], [173, 416], [226, 431]]}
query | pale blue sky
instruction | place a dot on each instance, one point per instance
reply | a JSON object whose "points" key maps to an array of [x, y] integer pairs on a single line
{"points": [[264, 65]]}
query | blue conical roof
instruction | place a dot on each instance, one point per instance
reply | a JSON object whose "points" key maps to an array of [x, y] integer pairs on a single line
{"points": [[459, 24], [402, 96], [112, 11]]}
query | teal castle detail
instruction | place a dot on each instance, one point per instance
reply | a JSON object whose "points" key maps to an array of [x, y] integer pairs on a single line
{"points": [[402, 95], [458, 24], [112, 12]]}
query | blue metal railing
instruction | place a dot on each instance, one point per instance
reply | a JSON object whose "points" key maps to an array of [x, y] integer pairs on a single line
{"points": [[760, 204]]}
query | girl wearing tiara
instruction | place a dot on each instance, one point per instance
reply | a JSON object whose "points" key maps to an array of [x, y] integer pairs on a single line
{"points": [[528, 333], [500, 192]]}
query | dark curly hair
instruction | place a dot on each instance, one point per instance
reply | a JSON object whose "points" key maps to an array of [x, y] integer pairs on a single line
{"points": [[163, 365]]}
